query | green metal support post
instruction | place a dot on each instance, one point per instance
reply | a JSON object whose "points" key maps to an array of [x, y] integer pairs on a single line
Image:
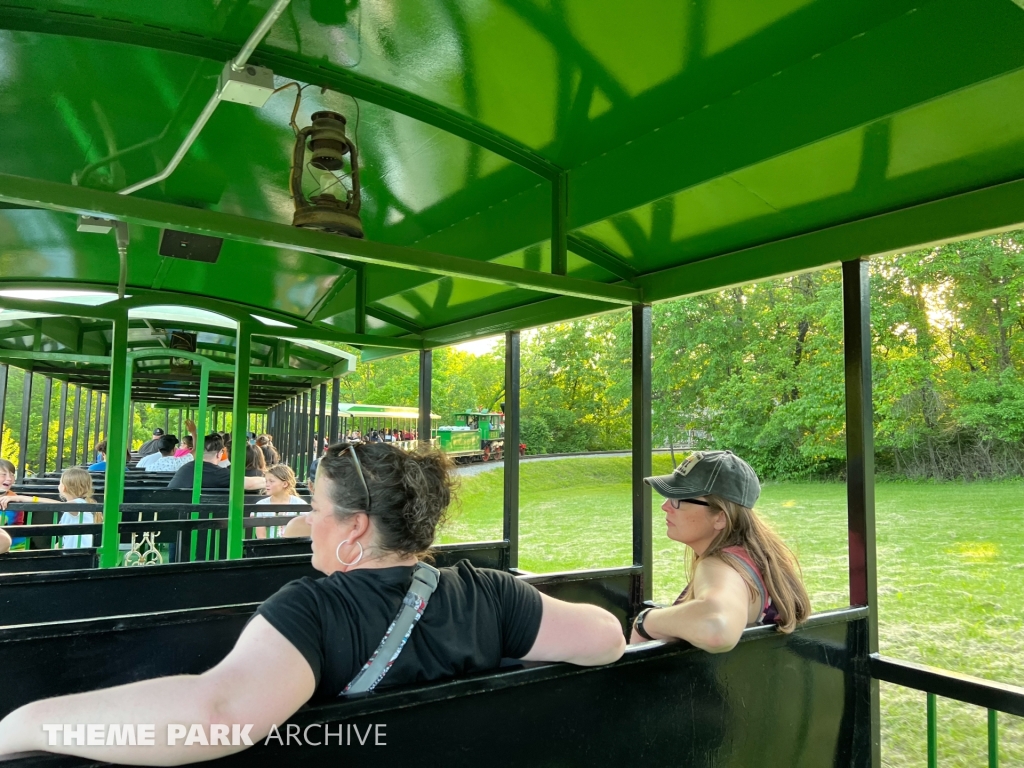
{"points": [[236, 495], [117, 427], [931, 727], [993, 738]]}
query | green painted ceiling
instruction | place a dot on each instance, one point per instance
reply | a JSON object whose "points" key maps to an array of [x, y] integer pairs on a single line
{"points": [[688, 131]]}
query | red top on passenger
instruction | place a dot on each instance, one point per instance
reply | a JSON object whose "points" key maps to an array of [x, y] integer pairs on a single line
{"points": [[769, 614]]}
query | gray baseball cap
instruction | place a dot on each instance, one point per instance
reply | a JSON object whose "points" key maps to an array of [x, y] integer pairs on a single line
{"points": [[722, 473]]}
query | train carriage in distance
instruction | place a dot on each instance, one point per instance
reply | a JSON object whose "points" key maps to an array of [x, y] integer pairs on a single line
{"points": [[475, 436], [200, 203]]}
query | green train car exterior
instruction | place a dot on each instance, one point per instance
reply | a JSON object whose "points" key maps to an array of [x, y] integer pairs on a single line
{"points": [[475, 436]]}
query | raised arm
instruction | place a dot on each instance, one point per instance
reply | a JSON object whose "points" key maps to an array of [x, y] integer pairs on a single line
{"points": [[5, 500], [262, 682], [578, 633], [714, 619]]}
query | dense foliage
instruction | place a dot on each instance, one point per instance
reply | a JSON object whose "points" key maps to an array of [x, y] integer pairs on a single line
{"points": [[758, 369]]}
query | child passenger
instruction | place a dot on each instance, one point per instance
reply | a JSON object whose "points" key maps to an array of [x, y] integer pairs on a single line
{"points": [[741, 574], [11, 516], [280, 490], [75, 487]]}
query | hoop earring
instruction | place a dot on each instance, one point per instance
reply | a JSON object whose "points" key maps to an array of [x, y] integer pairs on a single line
{"points": [[337, 553]]}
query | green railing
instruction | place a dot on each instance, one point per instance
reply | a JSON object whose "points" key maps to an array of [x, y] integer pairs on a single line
{"points": [[933, 734], [935, 682]]}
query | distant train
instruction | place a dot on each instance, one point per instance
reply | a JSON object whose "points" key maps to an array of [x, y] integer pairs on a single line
{"points": [[476, 436]]}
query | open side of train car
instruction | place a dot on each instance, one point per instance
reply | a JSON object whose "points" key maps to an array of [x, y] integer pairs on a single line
{"points": [[400, 177]]}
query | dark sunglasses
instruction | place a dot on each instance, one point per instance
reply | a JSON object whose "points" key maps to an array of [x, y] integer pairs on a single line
{"points": [[339, 449], [675, 503]]}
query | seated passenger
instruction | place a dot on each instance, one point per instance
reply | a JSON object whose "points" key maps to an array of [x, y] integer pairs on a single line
{"points": [[175, 462], [225, 453], [8, 473], [280, 490], [270, 455], [75, 487], [186, 447], [151, 446], [5, 541], [741, 573], [165, 450], [254, 461], [299, 527], [214, 476], [375, 513], [101, 465]]}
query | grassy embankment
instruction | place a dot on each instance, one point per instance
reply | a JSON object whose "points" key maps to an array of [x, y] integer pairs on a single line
{"points": [[951, 573]]}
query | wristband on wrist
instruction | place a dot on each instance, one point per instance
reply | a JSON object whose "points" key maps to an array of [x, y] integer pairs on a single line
{"points": [[638, 625]]}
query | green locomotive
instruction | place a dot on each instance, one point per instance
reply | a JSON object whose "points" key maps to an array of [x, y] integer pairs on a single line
{"points": [[475, 436]]}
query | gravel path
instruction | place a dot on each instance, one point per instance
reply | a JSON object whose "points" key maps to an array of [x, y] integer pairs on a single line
{"points": [[466, 470]]}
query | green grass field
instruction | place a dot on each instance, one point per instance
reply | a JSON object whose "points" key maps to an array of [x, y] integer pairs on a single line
{"points": [[950, 566]]}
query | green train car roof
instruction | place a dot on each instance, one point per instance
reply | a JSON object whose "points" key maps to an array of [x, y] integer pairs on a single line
{"points": [[363, 410], [665, 148]]}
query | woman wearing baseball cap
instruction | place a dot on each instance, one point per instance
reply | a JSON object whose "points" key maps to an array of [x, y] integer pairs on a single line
{"points": [[741, 573]]}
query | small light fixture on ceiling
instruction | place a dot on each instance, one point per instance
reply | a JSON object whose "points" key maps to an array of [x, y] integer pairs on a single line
{"points": [[271, 322], [333, 207], [89, 298]]}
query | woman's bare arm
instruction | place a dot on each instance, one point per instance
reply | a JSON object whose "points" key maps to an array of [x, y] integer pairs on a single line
{"points": [[578, 633], [714, 619], [254, 483], [262, 682], [297, 528]]}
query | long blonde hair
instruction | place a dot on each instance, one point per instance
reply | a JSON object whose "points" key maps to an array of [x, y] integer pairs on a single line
{"points": [[778, 565], [77, 484], [285, 474]]}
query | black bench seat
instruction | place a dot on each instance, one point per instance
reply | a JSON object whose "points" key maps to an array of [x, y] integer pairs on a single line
{"points": [[779, 700]]}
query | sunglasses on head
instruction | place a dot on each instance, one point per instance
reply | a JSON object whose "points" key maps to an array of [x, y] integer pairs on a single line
{"points": [[677, 502], [340, 449]]}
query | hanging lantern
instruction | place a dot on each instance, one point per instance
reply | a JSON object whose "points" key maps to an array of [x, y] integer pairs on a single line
{"points": [[333, 207]]}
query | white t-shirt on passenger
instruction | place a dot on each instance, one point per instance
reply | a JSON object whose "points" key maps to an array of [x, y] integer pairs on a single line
{"points": [[274, 532], [82, 518]]}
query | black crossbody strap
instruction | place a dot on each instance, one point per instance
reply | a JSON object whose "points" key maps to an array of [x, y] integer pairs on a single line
{"points": [[424, 582]]}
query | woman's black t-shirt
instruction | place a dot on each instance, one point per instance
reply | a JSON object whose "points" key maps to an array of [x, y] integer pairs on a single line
{"points": [[475, 618]]}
